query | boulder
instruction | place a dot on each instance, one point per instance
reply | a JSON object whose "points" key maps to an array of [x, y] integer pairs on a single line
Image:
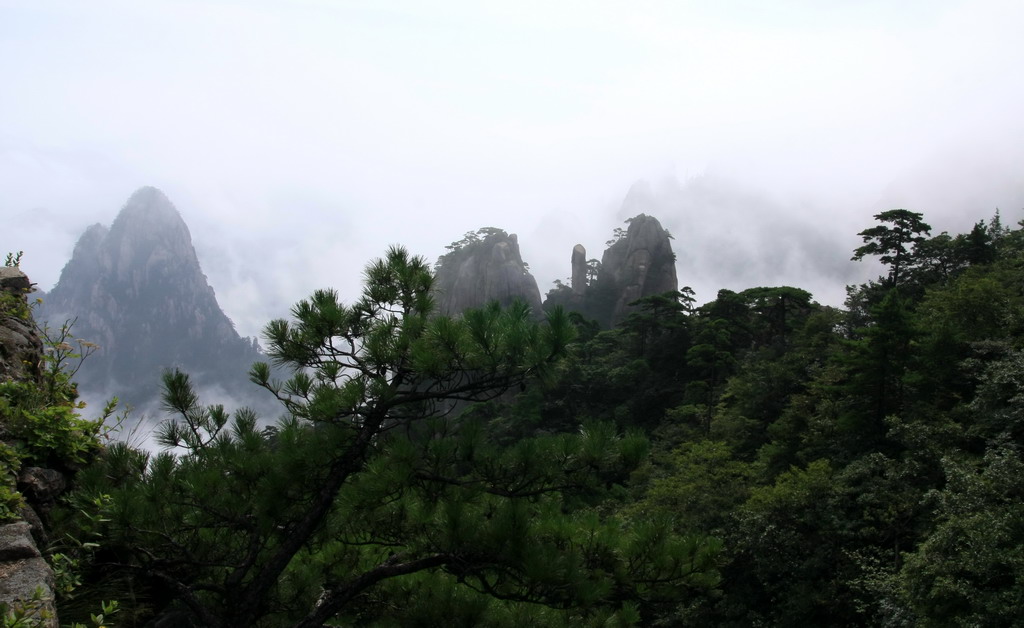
{"points": [[13, 280], [16, 542], [23, 573], [40, 485]]}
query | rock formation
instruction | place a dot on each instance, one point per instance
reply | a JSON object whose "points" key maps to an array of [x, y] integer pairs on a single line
{"points": [[639, 199], [20, 345], [137, 291], [639, 262], [579, 270], [485, 266], [638, 265], [23, 571], [22, 568]]}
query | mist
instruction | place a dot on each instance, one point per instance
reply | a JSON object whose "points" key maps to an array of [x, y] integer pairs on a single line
{"points": [[299, 141]]}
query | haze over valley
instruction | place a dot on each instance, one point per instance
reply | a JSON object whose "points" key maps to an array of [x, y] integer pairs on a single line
{"points": [[299, 143], [512, 314]]}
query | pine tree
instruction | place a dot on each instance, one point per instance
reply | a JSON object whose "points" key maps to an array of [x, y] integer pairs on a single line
{"points": [[370, 493], [891, 243]]}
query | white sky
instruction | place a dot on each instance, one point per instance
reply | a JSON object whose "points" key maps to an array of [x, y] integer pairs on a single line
{"points": [[299, 139]]}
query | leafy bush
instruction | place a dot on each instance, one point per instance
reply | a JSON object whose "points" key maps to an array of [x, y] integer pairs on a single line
{"points": [[10, 498], [47, 434]]}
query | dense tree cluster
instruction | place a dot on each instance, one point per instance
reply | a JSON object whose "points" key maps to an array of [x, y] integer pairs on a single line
{"points": [[757, 460], [860, 465]]}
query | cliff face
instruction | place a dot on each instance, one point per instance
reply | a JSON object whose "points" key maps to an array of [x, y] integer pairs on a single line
{"points": [[23, 571], [137, 291], [638, 265], [638, 262], [485, 266], [21, 349], [579, 270]]}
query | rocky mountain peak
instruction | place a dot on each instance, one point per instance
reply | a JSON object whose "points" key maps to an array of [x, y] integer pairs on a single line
{"points": [[148, 230], [640, 264], [484, 266], [639, 199], [138, 291]]}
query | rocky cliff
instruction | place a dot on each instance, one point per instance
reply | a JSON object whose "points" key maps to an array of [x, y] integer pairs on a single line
{"points": [[23, 571], [484, 266], [579, 270], [638, 265], [137, 291], [638, 262], [20, 346]]}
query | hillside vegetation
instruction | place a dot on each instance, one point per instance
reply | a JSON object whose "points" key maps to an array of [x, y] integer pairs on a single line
{"points": [[759, 460]]}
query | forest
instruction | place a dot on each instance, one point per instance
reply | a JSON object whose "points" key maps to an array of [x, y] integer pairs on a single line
{"points": [[758, 460]]}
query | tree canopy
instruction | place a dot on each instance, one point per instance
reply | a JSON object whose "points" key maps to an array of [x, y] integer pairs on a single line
{"points": [[760, 459], [891, 243], [369, 478]]}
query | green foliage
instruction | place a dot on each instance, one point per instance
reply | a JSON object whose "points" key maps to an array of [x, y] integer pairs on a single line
{"points": [[810, 465], [472, 242], [62, 360], [14, 305], [81, 538], [376, 484], [788, 542], [26, 614], [891, 243], [967, 572], [10, 499], [47, 434], [698, 484], [40, 421], [876, 366], [42, 417], [101, 619]]}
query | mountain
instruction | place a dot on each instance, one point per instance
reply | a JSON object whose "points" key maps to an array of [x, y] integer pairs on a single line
{"points": [[639, 262], [137, 290], [638, 265], [484, 266]]}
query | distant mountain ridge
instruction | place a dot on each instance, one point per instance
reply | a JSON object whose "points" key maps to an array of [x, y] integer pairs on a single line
{"points": [[137, 290]]}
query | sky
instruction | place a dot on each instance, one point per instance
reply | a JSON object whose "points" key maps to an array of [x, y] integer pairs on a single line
{"points": [[300, 139]]}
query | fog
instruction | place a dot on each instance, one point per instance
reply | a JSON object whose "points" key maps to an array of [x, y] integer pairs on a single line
{"points": [[300, 139]]}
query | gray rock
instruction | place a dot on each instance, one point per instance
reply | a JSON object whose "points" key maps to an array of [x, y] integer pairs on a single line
{"points": [[19, 581], [16, 542], [639, 265], [21, 349], [136, 290], [41, 485], [23, 572], [13, 280], [579, 269], [39, 534], [488, 269]]}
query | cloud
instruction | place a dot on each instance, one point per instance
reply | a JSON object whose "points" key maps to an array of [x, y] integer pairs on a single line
{"points": [[300, 140]]}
